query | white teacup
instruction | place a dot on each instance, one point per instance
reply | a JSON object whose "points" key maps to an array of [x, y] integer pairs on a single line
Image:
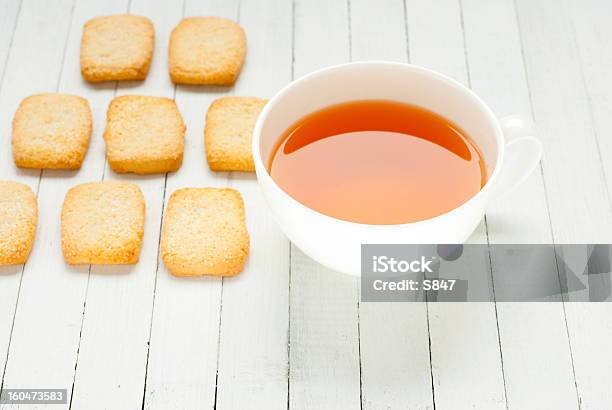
{"points": [[509, 152]]}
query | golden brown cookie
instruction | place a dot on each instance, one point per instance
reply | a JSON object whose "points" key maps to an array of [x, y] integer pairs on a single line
{"points": [[117, 48], [103, 223], [206, 50], [204, 232], [144, 135], [18, 218], [51, 131], [229, 131]]}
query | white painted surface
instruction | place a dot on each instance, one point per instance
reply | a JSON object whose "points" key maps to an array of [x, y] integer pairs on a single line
{"points": [[389, 379], [474, 376], [324, 342], [44, 339], [287, 332], [104, 373], [182, 364], [533, 337], [253, 345], [10, 277]]}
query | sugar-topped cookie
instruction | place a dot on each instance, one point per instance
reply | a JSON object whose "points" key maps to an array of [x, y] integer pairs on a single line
{"points": [[206, 50], [205, 233]]}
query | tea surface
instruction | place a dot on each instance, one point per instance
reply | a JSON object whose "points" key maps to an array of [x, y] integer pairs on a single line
{"points": [[377, 162]]}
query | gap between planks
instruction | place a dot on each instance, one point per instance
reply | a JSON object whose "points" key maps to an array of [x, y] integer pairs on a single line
{"points": [[40, 175]]}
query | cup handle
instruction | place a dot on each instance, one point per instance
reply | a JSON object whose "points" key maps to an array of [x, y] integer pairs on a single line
{"points": [[522, 154]]}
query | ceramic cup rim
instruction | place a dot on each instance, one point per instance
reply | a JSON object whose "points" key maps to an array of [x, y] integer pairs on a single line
{"points": [[263, 173]]}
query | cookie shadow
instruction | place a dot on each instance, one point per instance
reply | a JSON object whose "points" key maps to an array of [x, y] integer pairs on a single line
{"points": [[60, 173], [48, 173], [132, 84], [242, 176], [106, 85], [204, 89], [112, 270], [10, 270], [191, 279], [136, 178], [103, 270], [28, 172], [77, 269]]}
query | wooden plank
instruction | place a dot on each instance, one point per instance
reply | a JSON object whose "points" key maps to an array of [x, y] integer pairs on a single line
{"points": [[10, 276], [253, 343], [45, 26], [48, 270], [325, 320], [183, 356], [324, 338], [39, 352], [9, 13], [378, 32], [467, 370], [589, 324], [394, 337], [114, 339], [324, 358], [566, 127], [533, 336], [577, 189], [590, 31]]}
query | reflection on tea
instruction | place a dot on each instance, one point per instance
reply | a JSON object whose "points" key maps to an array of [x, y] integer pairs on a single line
{"points": [[377, 162]]}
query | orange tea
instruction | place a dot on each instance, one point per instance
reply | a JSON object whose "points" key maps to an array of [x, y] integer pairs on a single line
{"points": [[377, 162]]}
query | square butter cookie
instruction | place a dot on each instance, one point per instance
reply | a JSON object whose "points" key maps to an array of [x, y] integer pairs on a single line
{"points": [[229, 132], [103, 223], [51, 131], [144, 135], [205, 233], [117, 48], [18, 218], [206, 50]]}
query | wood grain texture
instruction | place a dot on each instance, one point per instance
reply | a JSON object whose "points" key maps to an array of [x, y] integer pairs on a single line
{"points": [[10, 276], [114, 337], [9, 13], [589, 323], [286, 332], [533, 337], [253, 356], [45, 334], [183, 357], [469, 328], [576, 184], [390, 379], [324, 338]]}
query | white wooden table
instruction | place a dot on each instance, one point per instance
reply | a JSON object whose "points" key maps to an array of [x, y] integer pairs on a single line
{"points": [[287, 333]]}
